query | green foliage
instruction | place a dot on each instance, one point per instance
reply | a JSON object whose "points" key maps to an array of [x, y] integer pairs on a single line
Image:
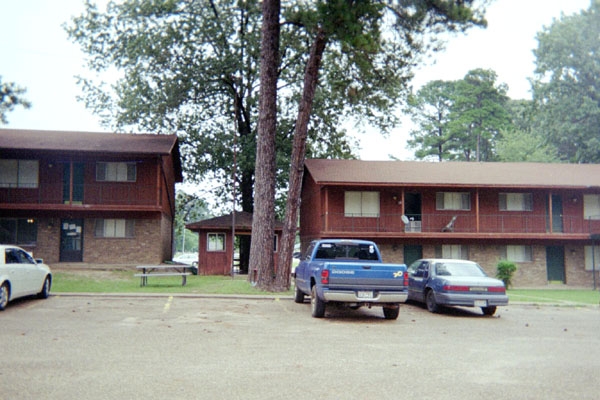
{"points": [[460, 120], [505, 271], [566, 86], [188, 208], [192, 68], [11, 96]]}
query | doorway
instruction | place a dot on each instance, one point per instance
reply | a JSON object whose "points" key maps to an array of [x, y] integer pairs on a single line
{"points": [[557, 214], [555, 263], [412, 253], [71, 240]]}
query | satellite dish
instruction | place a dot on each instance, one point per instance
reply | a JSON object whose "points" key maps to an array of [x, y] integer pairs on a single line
{"points": [[405, 219]]}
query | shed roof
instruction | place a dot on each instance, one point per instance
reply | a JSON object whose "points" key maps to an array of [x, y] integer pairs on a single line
{"points": [[243, 222], [23, 140], [473, 174]]}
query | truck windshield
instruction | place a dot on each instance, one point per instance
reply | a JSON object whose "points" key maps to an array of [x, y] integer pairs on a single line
{"points": [[350, 251]]}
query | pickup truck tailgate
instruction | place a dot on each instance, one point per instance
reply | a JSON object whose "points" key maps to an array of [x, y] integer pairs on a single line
{"points": [[366, 276]]}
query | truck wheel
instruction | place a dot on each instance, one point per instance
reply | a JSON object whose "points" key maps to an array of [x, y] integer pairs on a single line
{"points": [[391, 312], [432, 305], [491, 310], [317, 306], [298, 295]]}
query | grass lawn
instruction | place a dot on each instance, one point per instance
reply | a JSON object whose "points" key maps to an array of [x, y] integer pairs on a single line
{"points": [[124, 282], [555, 296], [119, 281]]}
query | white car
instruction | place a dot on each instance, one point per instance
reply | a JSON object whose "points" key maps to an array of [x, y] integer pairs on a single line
{"points": [[21, 275]]}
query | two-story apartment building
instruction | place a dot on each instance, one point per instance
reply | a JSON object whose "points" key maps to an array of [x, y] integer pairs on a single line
{"points": [[89, 197], [544, 217]]}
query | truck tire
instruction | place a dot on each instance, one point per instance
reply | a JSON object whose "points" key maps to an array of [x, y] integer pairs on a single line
{"points": [[391, 312], [317, 306], [298, 294]]}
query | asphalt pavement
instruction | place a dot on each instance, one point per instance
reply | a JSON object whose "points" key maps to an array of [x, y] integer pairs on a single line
{"points": [[201, 347]]}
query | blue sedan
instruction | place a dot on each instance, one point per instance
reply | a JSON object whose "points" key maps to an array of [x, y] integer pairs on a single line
{"points": [[445, 282]]}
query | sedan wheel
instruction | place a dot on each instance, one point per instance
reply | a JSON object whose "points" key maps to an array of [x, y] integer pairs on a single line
{"points": [[491, 310], [432, 305], [4, 293], [45, 293]]}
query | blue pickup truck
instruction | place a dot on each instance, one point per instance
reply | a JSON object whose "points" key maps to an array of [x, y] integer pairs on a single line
{"points": [[349, 272]]}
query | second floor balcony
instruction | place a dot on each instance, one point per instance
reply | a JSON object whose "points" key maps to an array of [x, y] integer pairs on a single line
{"points": [[460, 223], [119, 194]]}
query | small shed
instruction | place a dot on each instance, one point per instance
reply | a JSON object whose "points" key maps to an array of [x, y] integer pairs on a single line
{"points": [[216, 241]]}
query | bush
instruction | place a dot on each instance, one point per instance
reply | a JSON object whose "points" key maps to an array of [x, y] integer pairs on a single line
{"points": [[505, 272]]}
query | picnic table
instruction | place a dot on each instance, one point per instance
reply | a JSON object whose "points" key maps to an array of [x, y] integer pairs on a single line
{"points": [[162, 270]]}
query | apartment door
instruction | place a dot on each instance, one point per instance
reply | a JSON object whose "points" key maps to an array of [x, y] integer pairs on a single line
{"points": [[555, 263], [557, 214], [412, 253], [73, 183], [71, 240]]}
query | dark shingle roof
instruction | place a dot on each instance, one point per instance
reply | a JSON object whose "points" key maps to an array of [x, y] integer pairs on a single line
{"points": [[66, 141], [23, 141], [243, 221], [489, 174]]}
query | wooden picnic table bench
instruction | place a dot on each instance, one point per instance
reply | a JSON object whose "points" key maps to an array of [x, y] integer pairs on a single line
{"points": [[162, 271]]}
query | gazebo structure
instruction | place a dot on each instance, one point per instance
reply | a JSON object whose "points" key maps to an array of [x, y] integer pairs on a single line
{"points": [[216, 241]]}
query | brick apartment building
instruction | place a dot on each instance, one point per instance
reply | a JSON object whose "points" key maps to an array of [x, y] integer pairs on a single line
{"points": [[89, 197]]}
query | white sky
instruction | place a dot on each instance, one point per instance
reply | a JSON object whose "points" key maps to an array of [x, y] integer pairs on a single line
{"points": [[37, 55]]}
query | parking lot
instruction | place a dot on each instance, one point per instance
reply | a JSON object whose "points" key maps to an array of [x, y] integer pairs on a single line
{"points": [[109, 347]]}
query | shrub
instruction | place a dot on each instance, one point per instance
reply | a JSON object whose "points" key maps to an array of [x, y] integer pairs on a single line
{"points": [[505, 272]]}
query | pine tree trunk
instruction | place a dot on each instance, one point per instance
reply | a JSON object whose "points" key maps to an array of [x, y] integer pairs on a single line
{"points": [[311, 78], [263, 222]]}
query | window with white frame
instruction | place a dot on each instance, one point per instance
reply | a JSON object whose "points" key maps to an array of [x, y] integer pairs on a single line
{"points": [[591, 206], [517, 253], [592, 256], [457, 251], [453, 201], [114, 228], [19, 173], [215, 242], [361, 204], [115, 172], [515, 202]]}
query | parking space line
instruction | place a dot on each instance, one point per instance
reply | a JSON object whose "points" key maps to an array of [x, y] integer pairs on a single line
{"points": [[168, 305]]}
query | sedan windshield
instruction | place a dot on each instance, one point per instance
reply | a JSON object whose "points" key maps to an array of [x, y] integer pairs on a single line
{"points": [[458, 269]]}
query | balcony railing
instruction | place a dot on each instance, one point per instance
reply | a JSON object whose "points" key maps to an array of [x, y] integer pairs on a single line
{"points": [[463, 223], [89, 194]]}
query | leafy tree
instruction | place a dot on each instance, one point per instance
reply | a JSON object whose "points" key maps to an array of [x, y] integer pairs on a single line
{"points": [[521, 141], [479, 113], [459, 120], [431, 108], [566, 86], [11, 96], [374, 42], [188, 208]]}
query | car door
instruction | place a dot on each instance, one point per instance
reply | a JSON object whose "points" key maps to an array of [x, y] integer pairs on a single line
{"points": [[417, 279], [16, 272], [34, 276]]}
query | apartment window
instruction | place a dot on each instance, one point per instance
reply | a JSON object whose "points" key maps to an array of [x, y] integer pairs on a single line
{"points": [[21, 231], [361, 204], [216, 242], [453, 201], [114, 228], [457, 251], [115, 172], [517, 253], [515, 202], [19, 173], [592, 258], [591, 206]]}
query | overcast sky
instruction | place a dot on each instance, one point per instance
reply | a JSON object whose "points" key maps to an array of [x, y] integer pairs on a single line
{"points": [[37, 55]]}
